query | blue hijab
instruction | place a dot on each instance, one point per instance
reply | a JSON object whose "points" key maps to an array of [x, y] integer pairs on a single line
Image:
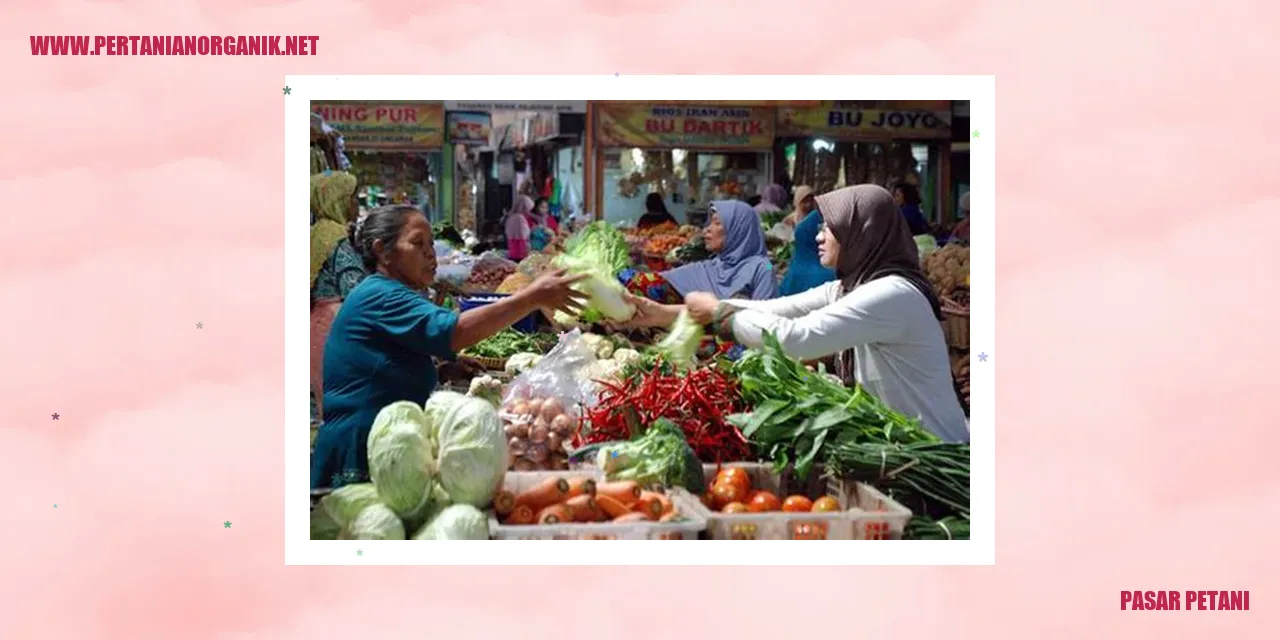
{"points": [[741, 268]]}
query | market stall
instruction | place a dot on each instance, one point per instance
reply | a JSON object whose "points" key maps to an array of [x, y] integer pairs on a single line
{"points": [[690, 153], [590, 434], [397, 150], [842, 143]]}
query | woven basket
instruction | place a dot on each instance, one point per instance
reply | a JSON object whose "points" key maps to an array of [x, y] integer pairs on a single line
{"points": [[492, 364], [955, 324]]}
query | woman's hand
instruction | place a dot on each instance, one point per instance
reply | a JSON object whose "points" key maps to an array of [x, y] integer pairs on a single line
{"points": [[701, 306], [462, 369], [552, 292]]}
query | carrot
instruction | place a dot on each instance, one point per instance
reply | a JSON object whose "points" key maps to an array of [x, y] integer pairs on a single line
{"points": [[555, 514], [611, 507], [631, 517], [662, 499], [504, 502], [581, 486], [624, 491], [543, 494], [521, 514], [649, 505], [583, 508]]}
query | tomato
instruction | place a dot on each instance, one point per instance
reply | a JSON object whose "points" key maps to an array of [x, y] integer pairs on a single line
{"points": [[709, 500], [726, 492], [826, 503], [737, 476], [735, 507], [797, 504], [764, 501]]}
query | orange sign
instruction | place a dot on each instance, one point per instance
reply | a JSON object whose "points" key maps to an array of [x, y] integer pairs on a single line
{"points": [[671, 126], [386, 126]]}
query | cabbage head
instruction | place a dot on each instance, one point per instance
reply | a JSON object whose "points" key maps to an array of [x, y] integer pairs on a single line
{"points": [[438, 405], [473, 452], [400, 457], [680, 347], [456, 522], [375, 522], [339, 509]]}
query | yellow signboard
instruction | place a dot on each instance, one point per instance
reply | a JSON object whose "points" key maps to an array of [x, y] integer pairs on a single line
{"points": [[672, 126], [386, 126], [846, 121]]}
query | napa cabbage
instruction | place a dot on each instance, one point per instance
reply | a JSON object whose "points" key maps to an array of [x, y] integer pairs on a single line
{"points": [[680, 347]]}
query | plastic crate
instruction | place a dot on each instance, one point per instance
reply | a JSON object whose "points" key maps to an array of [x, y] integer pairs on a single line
{"points": [[517, 481], [528, 324], [866, 514]]}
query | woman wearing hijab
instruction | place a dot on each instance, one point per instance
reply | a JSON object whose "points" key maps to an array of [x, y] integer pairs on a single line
{"points": [[740, 268], [805, 271], [519, 226], [336, 267], [907, 197], [655, 213], [774, 200], [881, 317]]}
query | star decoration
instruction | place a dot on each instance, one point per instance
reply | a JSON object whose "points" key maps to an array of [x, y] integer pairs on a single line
{"points": [[975, 133], [287, 90], [226, 525], [55, 416], [360, 552], [199, 325], [982, 357]]}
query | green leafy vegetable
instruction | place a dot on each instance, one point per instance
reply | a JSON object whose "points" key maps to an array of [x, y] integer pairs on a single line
{"points": [[339, 509], [599, 251], [680, 347], [929, 478], [400, 457], [472, 451], [660, 456], [509, 342], [375, 522], [456, 522]]}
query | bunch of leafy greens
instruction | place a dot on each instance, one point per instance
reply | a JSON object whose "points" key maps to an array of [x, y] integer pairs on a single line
{"points": [[680, 347], [599, 251], [799, 413], [659, 456]]}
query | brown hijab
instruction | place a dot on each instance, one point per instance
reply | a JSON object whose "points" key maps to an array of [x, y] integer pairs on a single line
{"points": [[874, 242]]}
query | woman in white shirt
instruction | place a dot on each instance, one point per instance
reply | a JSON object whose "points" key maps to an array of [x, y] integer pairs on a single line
{"points": [[881, 316]]}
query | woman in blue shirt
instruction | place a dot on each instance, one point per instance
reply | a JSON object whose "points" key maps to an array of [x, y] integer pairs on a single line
{"points": [[907, 197], [805, 271], [386, 338]]}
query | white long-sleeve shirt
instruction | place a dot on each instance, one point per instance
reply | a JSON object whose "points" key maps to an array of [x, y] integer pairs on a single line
{"points": [[900, 351]]}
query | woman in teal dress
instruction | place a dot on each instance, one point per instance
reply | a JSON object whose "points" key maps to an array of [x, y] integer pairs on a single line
{"points": [[386, 339], [805, 271]]}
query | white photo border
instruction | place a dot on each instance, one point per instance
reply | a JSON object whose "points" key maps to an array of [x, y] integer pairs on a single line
{"points": [[302, 89]]}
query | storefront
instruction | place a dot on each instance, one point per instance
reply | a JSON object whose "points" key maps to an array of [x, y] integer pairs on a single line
{"points": [[469, 133], [841, 143], [396, 149], [690, 153]]}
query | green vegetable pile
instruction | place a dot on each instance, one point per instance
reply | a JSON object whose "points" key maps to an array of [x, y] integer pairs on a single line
{"points": [[660, 456], [798, 411], [433, 469], [928, 478], [599, 251], [926, 528], [509, 342]]}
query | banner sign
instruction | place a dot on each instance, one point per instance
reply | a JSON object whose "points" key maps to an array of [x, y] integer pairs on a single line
{"points": [[684, 127], [386, 126], [469, 128], [846, 121], [550, 106]]}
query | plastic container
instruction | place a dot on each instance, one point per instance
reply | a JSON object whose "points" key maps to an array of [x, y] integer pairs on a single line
{"points": [[517, 481], [866, 514], [528, 324]]}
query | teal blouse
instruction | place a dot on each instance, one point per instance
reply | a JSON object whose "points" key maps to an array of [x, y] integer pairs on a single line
{"points": [[381, 349]]}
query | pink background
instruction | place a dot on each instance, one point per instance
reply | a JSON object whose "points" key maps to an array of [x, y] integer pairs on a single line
{"points": [[1137, 174]]}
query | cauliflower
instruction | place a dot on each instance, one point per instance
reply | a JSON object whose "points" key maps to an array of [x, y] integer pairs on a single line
{"points": [[488, 388], [626, 357], [600, 345], [521, 362]]}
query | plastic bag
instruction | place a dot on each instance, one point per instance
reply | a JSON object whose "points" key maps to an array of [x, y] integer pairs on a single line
{"points": [[542, 406], [783, 232]]}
